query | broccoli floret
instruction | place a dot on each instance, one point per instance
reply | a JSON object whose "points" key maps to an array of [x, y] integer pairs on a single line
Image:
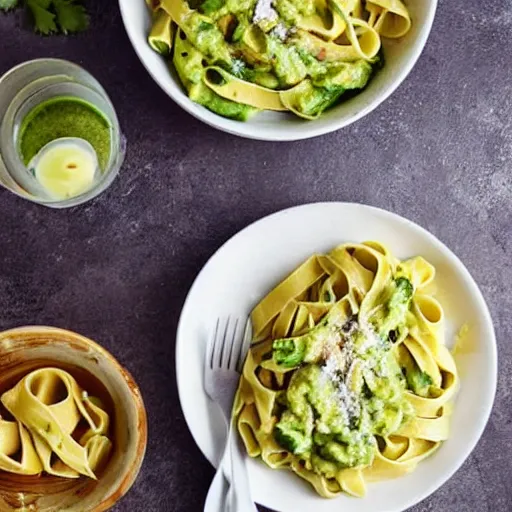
{"points": [[403, 293], [392, 318], [418, 381], [308, 347], [289, 433], [289, 352]]}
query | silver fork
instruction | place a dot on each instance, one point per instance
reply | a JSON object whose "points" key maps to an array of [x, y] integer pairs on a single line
{"points": [[224, 359]]}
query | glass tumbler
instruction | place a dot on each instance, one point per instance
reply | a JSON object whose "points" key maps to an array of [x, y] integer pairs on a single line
{"points": [[25, 87]]}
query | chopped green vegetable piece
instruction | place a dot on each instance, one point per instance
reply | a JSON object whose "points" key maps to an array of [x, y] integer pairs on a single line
{"points": [[289, 352], [419, 382], [289, 434], [403, 293], [392, 317]]}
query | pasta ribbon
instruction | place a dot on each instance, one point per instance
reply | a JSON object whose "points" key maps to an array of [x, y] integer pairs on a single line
{"points": [[326, 23], [362, 36], [293, 286], [329, 51], [178, 10], [161, 35], [62, 419], [292, 99], [390, 18], [14, 438], [234, 89]]}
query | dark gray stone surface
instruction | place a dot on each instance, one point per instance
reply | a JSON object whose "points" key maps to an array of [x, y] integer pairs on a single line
{"points": [[118, 269]]}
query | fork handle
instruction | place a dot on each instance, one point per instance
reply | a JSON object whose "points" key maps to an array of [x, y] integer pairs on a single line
{"points": [[216, 498], [231, 468], [239, 494]]}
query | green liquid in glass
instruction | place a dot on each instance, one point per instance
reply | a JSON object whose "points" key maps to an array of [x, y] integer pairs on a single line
{"points": [[65, 116]]}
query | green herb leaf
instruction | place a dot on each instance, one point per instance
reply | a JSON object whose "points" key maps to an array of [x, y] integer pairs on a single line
{"points": [[44, 20], [6, 5], [71, 16], [53, 16]]}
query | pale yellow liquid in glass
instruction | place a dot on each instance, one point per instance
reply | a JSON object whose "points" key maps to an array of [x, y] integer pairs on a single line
{"points": [[65, 168]]}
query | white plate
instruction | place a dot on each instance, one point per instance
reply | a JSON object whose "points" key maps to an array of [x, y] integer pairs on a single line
{"points": [[400, 55], [249, 265]]}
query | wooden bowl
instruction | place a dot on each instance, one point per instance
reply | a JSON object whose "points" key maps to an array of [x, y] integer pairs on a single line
{"points": [[28, 348]]}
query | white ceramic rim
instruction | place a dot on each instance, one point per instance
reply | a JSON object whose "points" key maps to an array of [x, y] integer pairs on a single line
{"points": [[454, 260], [246, 130]]}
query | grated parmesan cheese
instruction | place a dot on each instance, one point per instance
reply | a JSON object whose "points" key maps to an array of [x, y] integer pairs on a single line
{"points": [[237, 67], [341, 358], [264, 11], [280, 31], [336, 368], [372, 339]]}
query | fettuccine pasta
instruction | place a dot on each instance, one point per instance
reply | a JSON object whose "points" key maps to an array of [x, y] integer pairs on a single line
{"points": [[348, 379], [58, 428], [300, 56]]}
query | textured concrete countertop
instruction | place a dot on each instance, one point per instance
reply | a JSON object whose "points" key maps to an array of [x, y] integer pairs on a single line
{"points": [[118, 269]]}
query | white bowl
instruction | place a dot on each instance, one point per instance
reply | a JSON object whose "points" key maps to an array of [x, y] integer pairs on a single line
{"points": [[400, 58], [249, 265]]}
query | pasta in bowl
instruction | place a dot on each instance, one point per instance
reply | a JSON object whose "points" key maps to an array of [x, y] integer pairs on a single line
{"points": [[274, 75], [348, 379], [237, 58], [73, 428]]}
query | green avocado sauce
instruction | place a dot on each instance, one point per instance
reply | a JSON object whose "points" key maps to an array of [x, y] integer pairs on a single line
{"points": [[348, 388], [65, 117]]}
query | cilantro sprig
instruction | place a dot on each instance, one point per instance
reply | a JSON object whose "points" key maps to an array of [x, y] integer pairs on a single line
{"points": [[53, 16]]}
